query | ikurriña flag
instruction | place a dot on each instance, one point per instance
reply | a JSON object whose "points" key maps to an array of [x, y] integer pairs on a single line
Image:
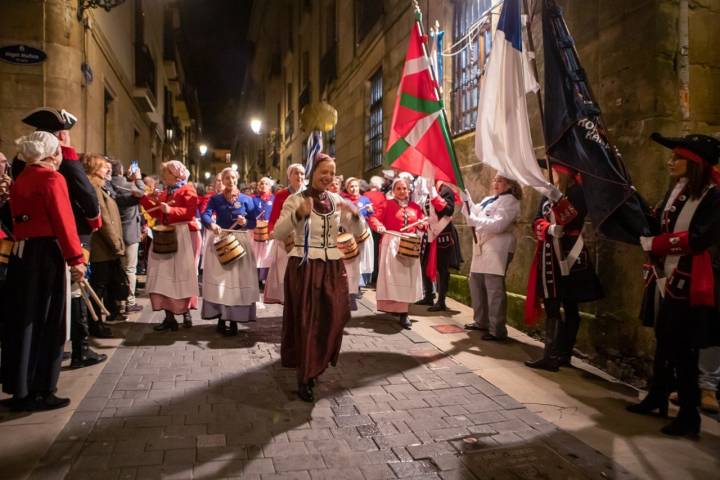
{"points": [[419, 141], [575, 136]]}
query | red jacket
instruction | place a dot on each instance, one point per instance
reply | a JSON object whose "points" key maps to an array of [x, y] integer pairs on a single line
{"points": [[376, 197], [185, 202], [40, 207], [393, 217], [280, 198]]}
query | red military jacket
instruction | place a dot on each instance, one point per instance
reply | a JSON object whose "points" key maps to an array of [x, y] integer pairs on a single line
{"points": [[394, 217], [184, 204], [40, 206]]}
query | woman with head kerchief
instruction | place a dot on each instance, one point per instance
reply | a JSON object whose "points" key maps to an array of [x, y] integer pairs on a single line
{"points": [[46, 240], [231, 290], [172, 279], [681, 279], [317, 299], [366, 259], [399, 277], [336, 185], [274, 287], [264, 200]]}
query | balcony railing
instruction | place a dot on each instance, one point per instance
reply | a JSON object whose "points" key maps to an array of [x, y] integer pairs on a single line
{"points": [[145, 76]]}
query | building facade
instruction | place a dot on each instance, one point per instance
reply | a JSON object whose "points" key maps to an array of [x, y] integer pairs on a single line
{"points": [[118, 71], [649, 74]]}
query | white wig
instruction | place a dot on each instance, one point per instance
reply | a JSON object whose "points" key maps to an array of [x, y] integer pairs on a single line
{"points": [[37, 146], [294, 166], [376, 182]]}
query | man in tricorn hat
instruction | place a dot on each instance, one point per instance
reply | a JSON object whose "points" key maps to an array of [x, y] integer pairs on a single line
{"points": [[86, 210], [681, 278]]}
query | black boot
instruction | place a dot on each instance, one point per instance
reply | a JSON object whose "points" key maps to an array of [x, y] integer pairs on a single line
{"points": [[169, 323], [405, 321], [86, 357], [656, 399], [99, 330], [548, 361], [686, 424], [305, 392], [426, 300], [232, 330], [438, 307], [187, 320], [220, 326], [50, 402]]}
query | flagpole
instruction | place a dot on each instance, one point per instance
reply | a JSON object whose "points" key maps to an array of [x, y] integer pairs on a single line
{"points": [[418, 13], [538, 95]]}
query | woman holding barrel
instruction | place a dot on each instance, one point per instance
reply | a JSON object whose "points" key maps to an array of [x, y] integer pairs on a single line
{"points": [[262, 244], [172, 279], [399, 278], [366, 245], [317, 300], [274, 287], [230, 286]]}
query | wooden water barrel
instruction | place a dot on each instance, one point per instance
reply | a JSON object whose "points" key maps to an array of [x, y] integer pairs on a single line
{"points": [[164, 239]]}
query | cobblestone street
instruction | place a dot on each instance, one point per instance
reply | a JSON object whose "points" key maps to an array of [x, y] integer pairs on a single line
{"points": [[192, 404]]}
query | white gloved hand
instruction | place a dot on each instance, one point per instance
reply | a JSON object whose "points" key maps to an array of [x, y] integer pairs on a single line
{"points": [[646, 243], [465, 195], [557, 231]]}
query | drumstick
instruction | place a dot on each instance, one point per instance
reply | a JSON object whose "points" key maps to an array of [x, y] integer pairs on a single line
{"points": [[86, 285], [88, 304], [407, 227], [395, 234], [155, 208]]}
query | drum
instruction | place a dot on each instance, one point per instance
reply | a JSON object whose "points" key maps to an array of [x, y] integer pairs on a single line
{"points": [[347, 245], [261, 233], [364, 236], [409, 246], [228, 248], [5, 249], [164, 239]]}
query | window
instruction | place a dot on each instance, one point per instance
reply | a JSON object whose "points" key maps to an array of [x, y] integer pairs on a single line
{"points": [[367, 13], [374, 136], [468, 65]]}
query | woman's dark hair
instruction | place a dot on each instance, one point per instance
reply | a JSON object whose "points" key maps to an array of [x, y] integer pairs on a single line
{"points": [[200, 189], [117, 168], [515, 189], [698, 178]]}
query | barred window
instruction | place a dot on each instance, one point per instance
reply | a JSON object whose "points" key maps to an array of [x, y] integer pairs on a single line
{"points": [[374, 136], [468, 64]]}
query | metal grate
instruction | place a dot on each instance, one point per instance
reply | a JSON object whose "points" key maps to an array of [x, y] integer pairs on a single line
{"points": [[374, 136]]}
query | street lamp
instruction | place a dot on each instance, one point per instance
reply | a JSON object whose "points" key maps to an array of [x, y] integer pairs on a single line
{"points": [[207, 175], [203, 149], [234, 167], [255, 125]]}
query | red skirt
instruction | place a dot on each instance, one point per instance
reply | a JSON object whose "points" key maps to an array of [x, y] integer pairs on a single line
{"points": [[317, 307]]}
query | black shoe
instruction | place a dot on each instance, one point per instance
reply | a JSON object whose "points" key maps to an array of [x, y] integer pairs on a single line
{"points": [[684, 425], [88, 359], [117, 317], [311, 383], [476, 327], [66, 355], [187, 320], [544, 364], [25, 404], [565, 362], [50, 402], [134, 308], [98, 330], [489, 337], [305, 393], [652, 401], [438, 307], [425, 301], [220, 326], [167, 324], [405, 322], [232, 330]]}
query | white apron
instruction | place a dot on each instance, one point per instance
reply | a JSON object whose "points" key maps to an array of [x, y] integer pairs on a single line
{"points": [[352, 267], [275, 282], [263, 253], [399, 278], [367, 255], [174, 274], [234, 284]]}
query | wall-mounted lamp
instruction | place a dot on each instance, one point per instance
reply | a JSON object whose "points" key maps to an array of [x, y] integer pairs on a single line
{"points": [[107, 5]]}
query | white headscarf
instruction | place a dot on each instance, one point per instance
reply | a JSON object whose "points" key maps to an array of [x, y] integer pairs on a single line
{"points": [[37, 146], [295, 166]]}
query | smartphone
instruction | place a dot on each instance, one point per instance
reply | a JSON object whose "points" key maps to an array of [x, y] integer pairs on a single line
{"points": [[133, 166]]}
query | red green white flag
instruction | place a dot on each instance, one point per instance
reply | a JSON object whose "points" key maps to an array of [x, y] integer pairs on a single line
{"points": [[419, 140]]}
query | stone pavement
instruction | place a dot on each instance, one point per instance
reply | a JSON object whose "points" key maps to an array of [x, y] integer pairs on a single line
{"points": [[192, 404]]}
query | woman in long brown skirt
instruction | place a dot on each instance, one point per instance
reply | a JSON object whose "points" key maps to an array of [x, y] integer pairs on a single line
{"points": [[317, 297]]}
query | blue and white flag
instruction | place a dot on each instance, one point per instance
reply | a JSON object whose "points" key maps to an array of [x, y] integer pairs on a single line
{"points": [[502, 138], [314, 146]]}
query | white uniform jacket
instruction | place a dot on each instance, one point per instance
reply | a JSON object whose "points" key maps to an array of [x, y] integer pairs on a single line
{"points": [[493, 221], [323, 228]]}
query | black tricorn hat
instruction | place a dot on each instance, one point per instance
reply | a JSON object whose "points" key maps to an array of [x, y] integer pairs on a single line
{"points": [[50, 119], [704, 146]]}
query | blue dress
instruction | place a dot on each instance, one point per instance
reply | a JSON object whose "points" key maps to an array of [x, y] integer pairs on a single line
{"points": [[230, 291], [263, 250]]}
